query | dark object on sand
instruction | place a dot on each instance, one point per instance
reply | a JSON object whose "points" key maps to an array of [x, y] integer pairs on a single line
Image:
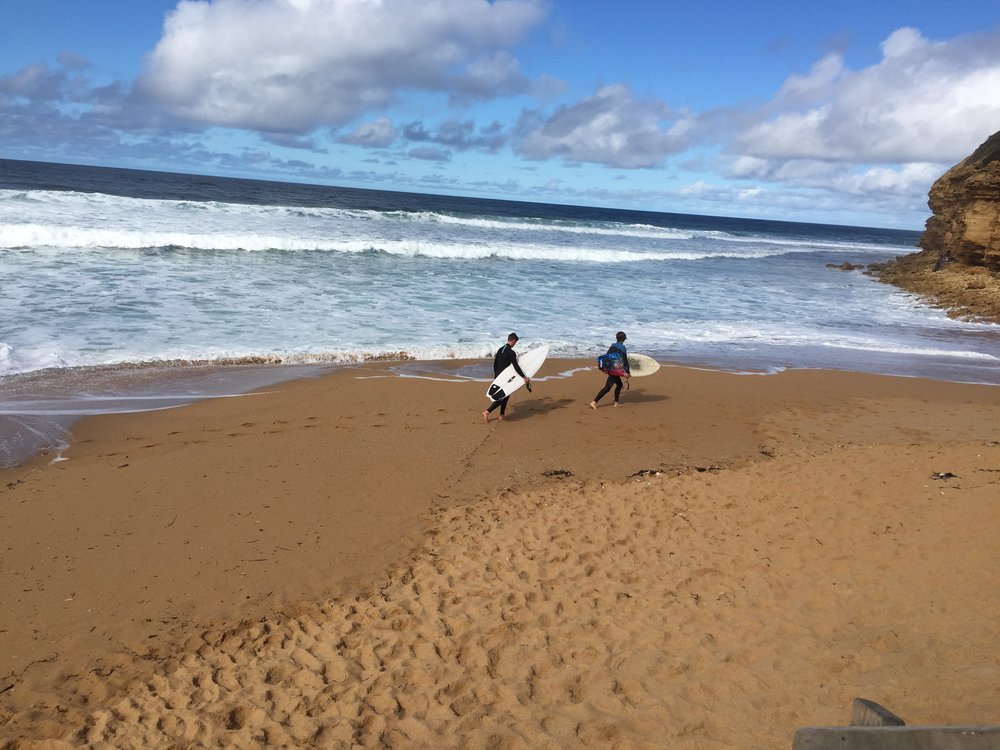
{"points": [[874, 727], [866, 713]]}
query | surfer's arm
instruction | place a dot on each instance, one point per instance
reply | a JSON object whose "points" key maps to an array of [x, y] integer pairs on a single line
{"points": [[517, 368]]}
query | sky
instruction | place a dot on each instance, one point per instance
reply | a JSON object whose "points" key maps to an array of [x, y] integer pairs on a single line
{"points": [[841, 113]]}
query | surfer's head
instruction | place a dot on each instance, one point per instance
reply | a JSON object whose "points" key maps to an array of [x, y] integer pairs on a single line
{"points": [[620, 336], [512, 339]]}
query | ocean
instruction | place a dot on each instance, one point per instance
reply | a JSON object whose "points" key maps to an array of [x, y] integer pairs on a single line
{"points": [[109, 273]]}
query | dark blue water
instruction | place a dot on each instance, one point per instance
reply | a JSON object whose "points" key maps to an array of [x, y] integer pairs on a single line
{"points": [[133, 183]]}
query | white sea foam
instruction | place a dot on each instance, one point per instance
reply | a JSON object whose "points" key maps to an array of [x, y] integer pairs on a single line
{"points": [[805, 335], [910, 351], [612, 229], [92, 279], [93, 220], [74, 238]]}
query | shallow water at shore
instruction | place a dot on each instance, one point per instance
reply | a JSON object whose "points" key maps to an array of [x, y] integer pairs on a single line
{"points": [[38, 409]]}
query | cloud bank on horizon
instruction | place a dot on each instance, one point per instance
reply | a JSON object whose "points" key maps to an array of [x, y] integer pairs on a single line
{"points": [[375, 93]]}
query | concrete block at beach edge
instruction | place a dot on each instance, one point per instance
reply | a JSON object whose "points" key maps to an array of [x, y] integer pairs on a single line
{"points": [[898, 738]]}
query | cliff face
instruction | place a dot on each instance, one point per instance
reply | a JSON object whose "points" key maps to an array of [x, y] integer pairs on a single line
{"points": [[965, 202], [965, 231]]}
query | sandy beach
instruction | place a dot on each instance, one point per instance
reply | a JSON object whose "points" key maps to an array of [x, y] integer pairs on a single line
{"points": [[356, 560]]}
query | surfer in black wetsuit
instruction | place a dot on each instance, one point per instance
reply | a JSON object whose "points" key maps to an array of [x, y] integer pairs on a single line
{"points": [[505, 356], [615, 380]]}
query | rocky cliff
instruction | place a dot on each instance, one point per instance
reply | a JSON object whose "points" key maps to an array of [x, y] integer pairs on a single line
{"points": [[965, 202], [959, 264]]}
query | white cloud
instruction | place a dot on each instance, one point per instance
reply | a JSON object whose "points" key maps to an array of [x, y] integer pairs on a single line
{"points": [[822, 74], [496, 75], [913, 177], [295, 65], [923, 102], [875, 139], [698, 188], [377, 134], [429, 153], [902, 42], [456, 134], [745, 167], [36, 82], [610, 127], [908, 178]]}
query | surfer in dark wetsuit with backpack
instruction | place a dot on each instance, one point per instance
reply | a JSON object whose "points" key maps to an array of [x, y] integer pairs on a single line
{"points": [[615, 380], [505, 356]]}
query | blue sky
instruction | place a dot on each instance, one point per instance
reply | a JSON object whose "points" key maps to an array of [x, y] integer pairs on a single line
{"points": [[830, 112]]}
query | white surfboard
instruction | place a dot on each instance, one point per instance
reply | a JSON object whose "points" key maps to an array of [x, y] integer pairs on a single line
{"points": [[509, 381], [640, 365]]}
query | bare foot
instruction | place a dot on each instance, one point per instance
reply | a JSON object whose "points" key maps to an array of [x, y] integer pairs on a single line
{"points": [[502, 418], [593, 404], [486, 417], [616, 404]]}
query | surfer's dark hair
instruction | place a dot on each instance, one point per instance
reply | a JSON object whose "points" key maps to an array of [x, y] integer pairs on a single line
{"points": [[620, 336], [512, 337]]}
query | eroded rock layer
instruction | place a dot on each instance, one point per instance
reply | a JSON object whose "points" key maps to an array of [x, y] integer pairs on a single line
{"points": [[965, 202], [959, 264]]}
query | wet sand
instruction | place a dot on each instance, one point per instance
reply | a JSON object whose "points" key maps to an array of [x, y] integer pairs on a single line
{"points": [[38, 409], [357, 560]]}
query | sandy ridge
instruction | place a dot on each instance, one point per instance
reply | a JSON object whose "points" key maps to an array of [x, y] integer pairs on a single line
{"points": [[670, 611], [715, 608]]}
